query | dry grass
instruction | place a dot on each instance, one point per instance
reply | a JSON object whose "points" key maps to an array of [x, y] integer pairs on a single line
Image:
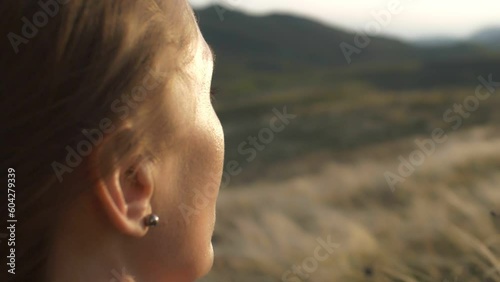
{"points": [[441, 224]]}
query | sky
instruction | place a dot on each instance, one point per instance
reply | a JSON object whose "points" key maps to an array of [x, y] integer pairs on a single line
{"points": [[407, 19]]}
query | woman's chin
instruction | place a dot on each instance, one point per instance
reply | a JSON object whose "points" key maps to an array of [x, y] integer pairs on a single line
{"points": [[209, 261], [204, 263]]}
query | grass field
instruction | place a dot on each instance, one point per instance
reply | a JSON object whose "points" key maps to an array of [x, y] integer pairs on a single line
{"points": [[441, 223], [323, 177]]}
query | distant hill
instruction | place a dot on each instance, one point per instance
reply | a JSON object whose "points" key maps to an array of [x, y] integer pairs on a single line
{"points": [[489, 37], [436, 41], [266, 62], [278, 41], [275, 40]]}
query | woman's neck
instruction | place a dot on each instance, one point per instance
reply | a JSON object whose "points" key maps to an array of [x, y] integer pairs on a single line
{"points": [[83, 252]]}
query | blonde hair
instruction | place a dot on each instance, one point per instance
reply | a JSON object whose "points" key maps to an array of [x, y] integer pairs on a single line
{"points": [[64, 76]]}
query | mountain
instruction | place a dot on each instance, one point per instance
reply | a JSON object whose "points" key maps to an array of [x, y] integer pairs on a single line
{"points": [[271, 61], [436, 41], [277, 40], [488, 37]]}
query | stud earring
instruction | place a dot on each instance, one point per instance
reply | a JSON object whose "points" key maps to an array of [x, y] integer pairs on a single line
{"points": [[151, 220]]}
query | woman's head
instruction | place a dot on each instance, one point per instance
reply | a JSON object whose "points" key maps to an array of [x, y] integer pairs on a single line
{"points": [[110, 120]]}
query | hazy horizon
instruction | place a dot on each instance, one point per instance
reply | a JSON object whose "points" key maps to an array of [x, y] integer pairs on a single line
{"points": [[417, 20]]}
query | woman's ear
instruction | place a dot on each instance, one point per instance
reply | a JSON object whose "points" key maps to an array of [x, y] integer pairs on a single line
{"points": [[125, 195]]}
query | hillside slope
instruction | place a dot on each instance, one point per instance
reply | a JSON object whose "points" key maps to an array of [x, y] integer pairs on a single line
{"points": [[269, 42]]}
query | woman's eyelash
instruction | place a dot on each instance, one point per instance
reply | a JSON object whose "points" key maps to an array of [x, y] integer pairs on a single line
{"points": [[214, 90]]}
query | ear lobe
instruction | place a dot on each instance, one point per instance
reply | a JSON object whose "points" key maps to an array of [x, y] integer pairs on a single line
{"points": [[126, 196]]}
